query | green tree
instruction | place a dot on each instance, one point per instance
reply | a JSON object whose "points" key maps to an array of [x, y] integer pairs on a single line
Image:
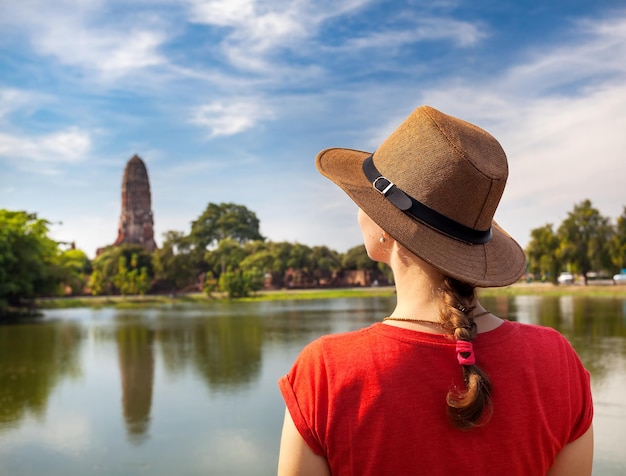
{"points": [[300, 264], [618, 243], [259, 258], [300, 257], [226, 220], [143, 281], [119, 269], [227, 255], [281, 251], [210, 284], [585, 237], [175, 264], [543, 253], [269, 257], [29, 259], [240, 283], [356, 258], [133, 279], [75, 270], [324, 262], [96, 283], [122, 280], [263, 260]]}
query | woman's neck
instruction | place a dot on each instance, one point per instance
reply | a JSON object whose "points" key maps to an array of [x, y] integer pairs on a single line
{"points": [[419, 297], [416, 288]]}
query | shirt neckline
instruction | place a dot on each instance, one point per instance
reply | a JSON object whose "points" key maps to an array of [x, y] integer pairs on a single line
{"points": [[504, 331]]}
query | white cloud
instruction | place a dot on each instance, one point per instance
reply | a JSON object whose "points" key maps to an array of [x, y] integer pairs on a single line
{"points": [[461, 33], [11, 100], [256, 28], [222, 12], [112, 53], [565, 150], [65, 146], [226, 118], [20, 102], [595, 53], [258, 24], [254, 31], [81, 34]]}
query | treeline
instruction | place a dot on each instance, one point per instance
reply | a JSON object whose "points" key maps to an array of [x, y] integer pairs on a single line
{"points": [[31, 263], [585, 243], [223, 252]]}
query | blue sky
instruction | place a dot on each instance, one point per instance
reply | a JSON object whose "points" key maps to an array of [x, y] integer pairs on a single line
{"points": [[230, 100]]}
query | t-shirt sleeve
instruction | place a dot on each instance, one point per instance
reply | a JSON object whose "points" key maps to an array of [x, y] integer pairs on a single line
{"points": [[580, 393], [305, 391]]}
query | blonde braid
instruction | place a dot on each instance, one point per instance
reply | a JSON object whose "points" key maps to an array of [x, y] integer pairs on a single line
{"points": [[471, 406]]}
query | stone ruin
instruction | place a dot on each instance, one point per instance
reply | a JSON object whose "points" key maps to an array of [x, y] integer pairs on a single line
{"points": [[136, 225]]}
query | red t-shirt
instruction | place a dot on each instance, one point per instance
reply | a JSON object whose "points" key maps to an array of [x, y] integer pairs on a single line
{"points": [[373, 401]]}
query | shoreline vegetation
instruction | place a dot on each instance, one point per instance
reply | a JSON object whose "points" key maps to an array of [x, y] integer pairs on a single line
{"points": [[225, 254], [518, 289]]}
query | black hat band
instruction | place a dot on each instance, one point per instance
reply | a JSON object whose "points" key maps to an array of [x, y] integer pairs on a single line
{"points": [[418, 211]]}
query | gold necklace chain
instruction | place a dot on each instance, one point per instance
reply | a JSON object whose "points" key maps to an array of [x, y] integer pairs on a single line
{"points": [[424, 321]]}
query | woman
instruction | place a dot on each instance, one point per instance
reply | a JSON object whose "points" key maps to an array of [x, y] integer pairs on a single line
{"points": [[441, 385]]}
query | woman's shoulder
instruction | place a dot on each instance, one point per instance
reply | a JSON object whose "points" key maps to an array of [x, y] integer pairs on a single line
{"points": [[542, 340], [536, 331], [341, 343], [343, 339]]}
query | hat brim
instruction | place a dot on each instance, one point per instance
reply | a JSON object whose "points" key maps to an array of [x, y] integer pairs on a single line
{"points": [[500, 262]]}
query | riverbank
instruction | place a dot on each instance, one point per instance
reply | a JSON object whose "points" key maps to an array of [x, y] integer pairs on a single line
{"points": [[274, 295], [545, 289], [595, 289]]}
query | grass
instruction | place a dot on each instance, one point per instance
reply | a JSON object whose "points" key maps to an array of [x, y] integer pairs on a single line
{"points": [[519, 289], [548, 289], [282, 295], [149, 300]]}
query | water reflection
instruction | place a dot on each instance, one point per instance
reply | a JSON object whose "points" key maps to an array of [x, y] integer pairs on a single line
{"points": [[136, 363], [225, 351], [178, 388], [34, 358]]}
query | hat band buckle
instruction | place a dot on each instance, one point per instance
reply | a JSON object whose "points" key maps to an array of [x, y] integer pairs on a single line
{"points": [[386, 189]]}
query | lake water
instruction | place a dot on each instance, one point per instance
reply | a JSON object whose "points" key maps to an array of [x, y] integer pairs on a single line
{"points": [[191, 389]]}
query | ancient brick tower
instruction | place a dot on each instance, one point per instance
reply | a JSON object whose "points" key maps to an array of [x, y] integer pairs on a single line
{"points": [[136, 222]]}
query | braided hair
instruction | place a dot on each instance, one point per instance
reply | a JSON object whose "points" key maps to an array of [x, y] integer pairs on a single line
{"points": [[468, 407]]}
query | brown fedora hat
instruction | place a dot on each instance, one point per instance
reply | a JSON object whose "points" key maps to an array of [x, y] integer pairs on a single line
{"points": [[434, 185]]}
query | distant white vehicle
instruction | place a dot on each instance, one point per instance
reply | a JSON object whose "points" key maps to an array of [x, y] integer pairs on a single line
{"points": [[619, 278], [565, 278]]}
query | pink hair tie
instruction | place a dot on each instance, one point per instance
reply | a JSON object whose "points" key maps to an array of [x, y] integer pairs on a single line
{"points": [[463, 346]]}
